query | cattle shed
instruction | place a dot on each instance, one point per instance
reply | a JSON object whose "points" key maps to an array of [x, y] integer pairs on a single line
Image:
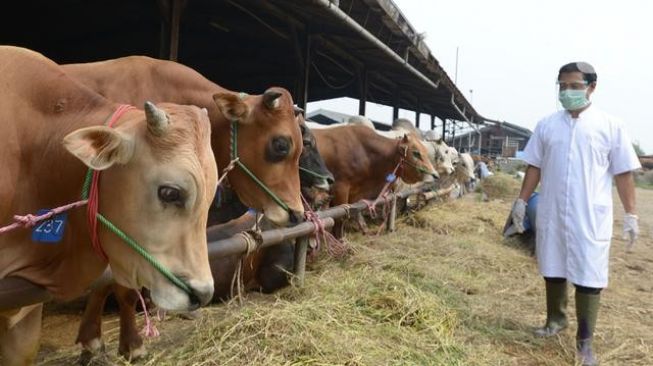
{"points": [[499, 138], [317, 49]]}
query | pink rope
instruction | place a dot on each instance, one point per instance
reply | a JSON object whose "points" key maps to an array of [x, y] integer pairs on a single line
{"points": [[334, 247], [149, 329], [29, 220]]}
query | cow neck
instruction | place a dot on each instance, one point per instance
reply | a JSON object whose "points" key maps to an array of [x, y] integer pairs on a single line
{"points": [[384, 153], [72, 263]]}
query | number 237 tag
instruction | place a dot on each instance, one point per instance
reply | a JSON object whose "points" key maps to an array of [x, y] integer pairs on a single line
{"points": [[51, 230]]}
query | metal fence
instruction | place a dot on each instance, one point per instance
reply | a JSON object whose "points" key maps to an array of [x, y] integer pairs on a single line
{"points": [[17, 292]]}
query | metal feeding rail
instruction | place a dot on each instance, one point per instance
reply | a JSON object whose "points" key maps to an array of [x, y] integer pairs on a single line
{"points": [[17, 292]]}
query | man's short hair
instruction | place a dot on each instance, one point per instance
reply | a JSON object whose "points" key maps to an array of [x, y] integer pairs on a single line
{"points": [[586, 69]]}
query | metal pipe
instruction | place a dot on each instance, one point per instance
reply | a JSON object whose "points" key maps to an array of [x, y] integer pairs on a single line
{"points": [[334, 10], [238, 244], [16, 292]]}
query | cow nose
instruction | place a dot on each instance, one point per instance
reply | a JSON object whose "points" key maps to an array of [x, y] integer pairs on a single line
{"points": [[295, 217], [200, 297], [323, 185]]}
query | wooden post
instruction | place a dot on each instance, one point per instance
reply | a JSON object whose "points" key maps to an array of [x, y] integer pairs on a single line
{"points": [[393, 215], [417, 119], [301, 248], [433, 121], [303, 92], [175, 22]]}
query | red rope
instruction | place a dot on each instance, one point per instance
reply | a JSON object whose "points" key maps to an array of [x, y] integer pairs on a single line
{"points": [[93, 198]]}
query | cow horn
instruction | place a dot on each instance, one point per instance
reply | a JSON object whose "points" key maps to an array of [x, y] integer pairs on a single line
{"points": [[271, 99], [157, 120], [298, 110]]}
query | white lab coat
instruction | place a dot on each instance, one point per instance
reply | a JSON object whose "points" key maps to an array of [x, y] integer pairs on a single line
{"points": [[578, 159]]}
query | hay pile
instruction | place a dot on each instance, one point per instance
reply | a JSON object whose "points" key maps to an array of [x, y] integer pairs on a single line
{"points": [[501, 186], [443, 290]]}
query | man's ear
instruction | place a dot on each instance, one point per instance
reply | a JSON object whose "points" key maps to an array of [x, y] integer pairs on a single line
{"points": [[99, 147]]}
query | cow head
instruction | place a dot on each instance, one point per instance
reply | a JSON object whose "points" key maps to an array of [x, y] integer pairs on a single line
{"points": [[442, 156], [314, 176], [267, 124], [417, 167], [465, 168], [159, 181]]}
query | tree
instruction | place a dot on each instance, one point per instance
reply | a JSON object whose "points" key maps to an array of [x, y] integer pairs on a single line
{"points": [[638, 149]]}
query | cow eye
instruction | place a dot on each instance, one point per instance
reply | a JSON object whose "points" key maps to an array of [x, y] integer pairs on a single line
{"points": [[417, 155], [171, 195], [278, 149]]}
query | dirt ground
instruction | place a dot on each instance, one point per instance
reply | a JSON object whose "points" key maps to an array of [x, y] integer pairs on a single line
{"points": [[499, 311]]}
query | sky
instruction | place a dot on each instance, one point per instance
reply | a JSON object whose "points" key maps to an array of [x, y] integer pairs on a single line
{"points": [[509, 53]]}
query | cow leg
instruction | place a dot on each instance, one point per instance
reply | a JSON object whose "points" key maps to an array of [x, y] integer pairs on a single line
{"points": [[131, 343], [276, 263], [89, 334], [19, 341]]}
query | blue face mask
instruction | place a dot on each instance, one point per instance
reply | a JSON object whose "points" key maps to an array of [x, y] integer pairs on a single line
{"points": [[572, 100]]}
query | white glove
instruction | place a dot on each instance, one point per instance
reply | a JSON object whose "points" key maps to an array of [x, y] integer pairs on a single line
{"points": [[518, 213], [631, 230]]}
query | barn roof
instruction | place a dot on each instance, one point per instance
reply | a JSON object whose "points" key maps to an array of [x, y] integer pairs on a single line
{"points": [[353, 47]]}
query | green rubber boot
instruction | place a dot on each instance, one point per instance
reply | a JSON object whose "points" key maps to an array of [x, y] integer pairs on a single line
{"points": [[587, 310], [556, 303]]}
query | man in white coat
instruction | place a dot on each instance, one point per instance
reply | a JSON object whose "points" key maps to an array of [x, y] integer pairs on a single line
{"points": [[574, 155]]}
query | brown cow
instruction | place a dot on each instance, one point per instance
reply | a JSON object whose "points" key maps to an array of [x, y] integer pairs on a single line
{"points": [[265, 269], [360, 160], [269, 140], [159, 181]]}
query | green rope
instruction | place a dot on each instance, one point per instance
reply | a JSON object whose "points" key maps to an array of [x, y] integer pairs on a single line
{"points": [[140, 250], [234, 155], [417, 167], [318, 175], [131, 242], [87, 184], [267, 190]]}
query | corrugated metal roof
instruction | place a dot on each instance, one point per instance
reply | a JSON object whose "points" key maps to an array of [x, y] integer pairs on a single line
{"points": [[248, 45]]}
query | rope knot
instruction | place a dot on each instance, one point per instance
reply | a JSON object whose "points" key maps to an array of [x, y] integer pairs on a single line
{"points": [[26, 221]]}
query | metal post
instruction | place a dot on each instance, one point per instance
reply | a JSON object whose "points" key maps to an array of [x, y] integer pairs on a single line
{"points": [[393, 215], [175, 21], [453, 133], [417, 119], [363, 93], [433, 121], [301, 248], [444, 129], [395, 107], [303, 94]]}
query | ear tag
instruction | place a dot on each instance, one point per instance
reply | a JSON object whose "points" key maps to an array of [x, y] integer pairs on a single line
{"points": [[49, 231]]}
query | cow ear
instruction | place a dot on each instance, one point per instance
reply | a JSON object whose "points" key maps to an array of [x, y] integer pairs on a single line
{"points": [[99, 147], [232, 106]]}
